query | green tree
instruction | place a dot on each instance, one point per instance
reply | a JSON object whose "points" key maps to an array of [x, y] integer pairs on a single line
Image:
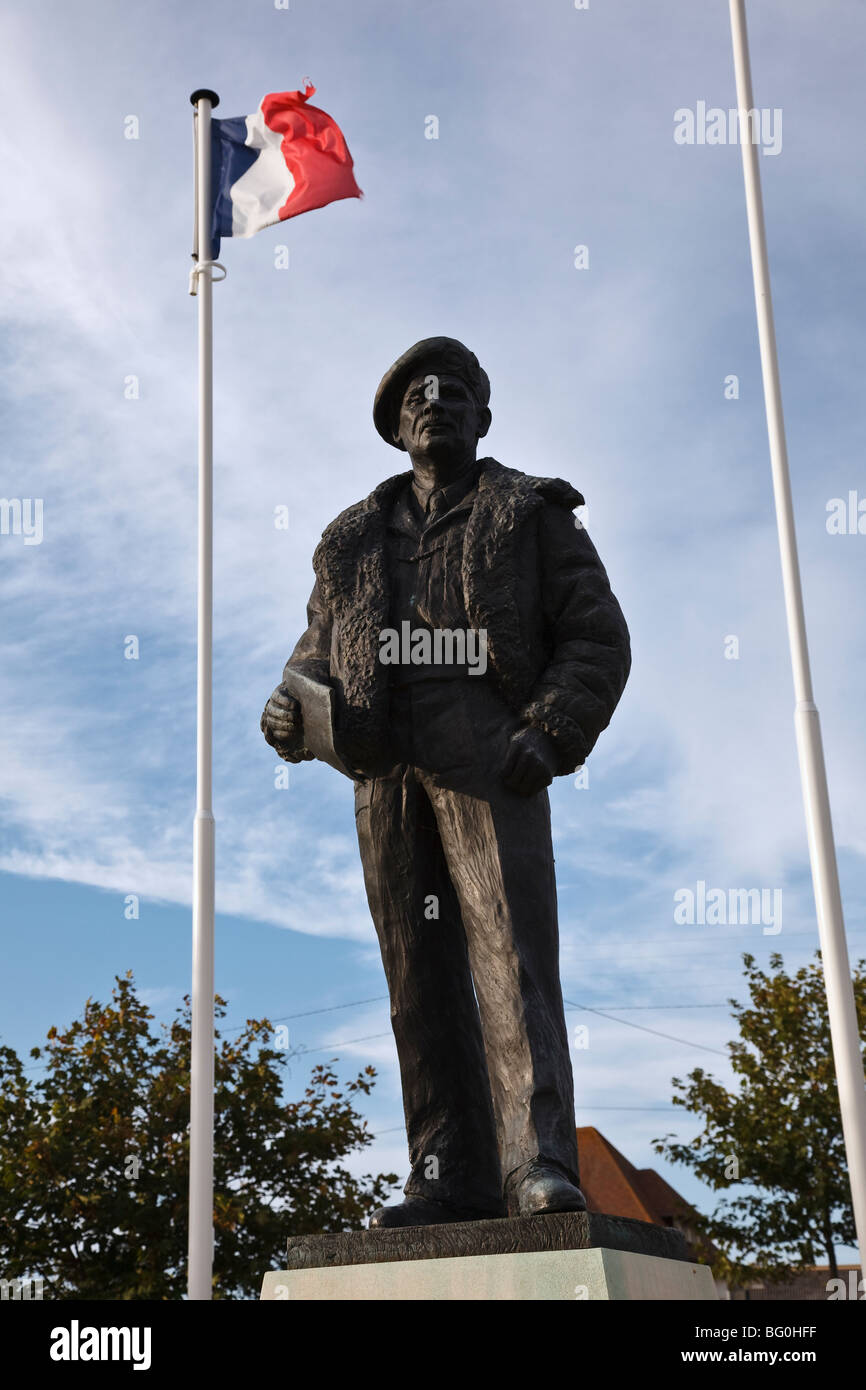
{"points": [[778, 1134], [94, 1156]]}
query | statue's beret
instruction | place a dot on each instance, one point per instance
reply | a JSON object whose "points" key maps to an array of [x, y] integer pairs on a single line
{"points": [[434, 356]]}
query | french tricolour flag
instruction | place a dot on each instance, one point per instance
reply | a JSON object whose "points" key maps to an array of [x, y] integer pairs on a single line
{"points": [[288, 157]]}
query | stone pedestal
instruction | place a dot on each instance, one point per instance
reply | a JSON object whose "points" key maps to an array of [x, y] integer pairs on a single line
{"points": [[572, 1255]]}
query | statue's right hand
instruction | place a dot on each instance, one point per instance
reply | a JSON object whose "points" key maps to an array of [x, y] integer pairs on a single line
{"points": [[283, 728]]}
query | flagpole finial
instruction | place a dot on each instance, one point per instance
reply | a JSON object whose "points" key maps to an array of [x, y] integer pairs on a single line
{"points": [[205, 92]]}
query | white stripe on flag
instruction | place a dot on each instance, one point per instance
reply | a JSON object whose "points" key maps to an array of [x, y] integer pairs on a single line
{"points": [[258, 195]]}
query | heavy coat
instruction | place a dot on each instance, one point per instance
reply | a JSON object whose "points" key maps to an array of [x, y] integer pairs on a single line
{"points": [[557, 642]]}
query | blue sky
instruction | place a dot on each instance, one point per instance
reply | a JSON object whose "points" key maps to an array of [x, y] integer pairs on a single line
{"points": [[555, 130]]}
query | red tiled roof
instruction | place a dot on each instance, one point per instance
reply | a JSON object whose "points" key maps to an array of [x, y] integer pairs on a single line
{"points": [[663, 1198], [615, 1187]]}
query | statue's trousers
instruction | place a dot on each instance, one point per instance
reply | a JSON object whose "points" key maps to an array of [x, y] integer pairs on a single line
{"points": [[460, 880]]}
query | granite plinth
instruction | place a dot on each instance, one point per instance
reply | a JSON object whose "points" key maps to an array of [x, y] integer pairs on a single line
{"points": [[569, 1255], [593, 1275]]}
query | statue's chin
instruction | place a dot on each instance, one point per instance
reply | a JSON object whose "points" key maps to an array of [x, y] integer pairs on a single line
{"points": [[441, 449]]}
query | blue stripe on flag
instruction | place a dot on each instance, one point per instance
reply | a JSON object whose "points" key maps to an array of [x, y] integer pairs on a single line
{"points": [[230, 158]]}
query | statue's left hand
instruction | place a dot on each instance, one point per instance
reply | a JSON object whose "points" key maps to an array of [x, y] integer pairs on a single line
{"points": [[530, 764]]}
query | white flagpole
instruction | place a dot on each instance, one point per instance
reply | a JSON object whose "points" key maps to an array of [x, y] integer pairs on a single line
{"points": [[822, 850], [200, 1268]]}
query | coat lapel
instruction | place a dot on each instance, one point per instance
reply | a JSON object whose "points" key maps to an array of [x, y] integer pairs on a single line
{"points": [[350, 566], [505, 500]]}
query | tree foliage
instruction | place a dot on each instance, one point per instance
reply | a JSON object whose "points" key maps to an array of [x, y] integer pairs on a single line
{"points": [[776, 1138], [94, 1156]]}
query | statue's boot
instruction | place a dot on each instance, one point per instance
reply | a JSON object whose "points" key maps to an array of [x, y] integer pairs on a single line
{"points": [[542, 1189], [418, 1211]]}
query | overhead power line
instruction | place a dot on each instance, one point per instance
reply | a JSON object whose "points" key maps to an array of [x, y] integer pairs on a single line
{"points": [[645, 1108], [383, 999], [627, 1023]]}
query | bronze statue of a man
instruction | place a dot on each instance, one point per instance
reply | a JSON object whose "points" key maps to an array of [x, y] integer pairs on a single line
{"points": [[451, 758]]}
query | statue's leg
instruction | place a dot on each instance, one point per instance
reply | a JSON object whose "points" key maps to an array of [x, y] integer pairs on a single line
{"points": [[434, 1014], [500, 856]]}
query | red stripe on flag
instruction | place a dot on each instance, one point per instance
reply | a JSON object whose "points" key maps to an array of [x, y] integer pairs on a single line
{"points": [[314, 149]]}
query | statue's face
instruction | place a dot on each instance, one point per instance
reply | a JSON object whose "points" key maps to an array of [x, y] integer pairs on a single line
{"points": [[440, 416]]}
